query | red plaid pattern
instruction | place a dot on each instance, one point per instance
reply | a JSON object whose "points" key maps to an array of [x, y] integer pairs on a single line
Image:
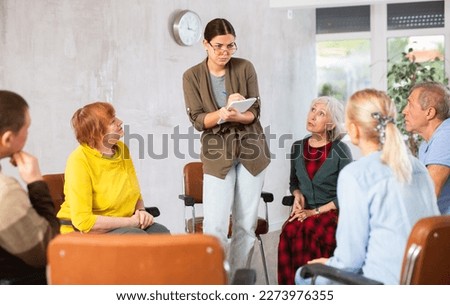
{"points": [[301, 242], [314, 157]]}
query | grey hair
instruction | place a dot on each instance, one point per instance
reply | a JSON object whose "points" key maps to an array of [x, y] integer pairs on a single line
{"points": [[335, 109], [434, 94]]}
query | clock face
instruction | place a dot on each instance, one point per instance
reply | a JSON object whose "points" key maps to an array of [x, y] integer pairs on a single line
{"points": [[187, 28]]}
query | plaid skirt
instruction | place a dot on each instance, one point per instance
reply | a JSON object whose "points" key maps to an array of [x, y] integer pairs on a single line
{"points": [[301, 242]]}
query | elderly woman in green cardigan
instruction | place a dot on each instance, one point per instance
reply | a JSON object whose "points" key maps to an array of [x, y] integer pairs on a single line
{"points": [[316, 162]]}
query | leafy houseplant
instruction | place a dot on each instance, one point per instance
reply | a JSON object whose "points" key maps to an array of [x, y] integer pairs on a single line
{"points": [[402, 76]]}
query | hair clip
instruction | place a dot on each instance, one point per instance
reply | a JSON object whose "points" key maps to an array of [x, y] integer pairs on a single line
{"points": [[381, 126]]}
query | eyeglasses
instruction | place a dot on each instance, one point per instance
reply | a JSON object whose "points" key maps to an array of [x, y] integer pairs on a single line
{"points": [[219, 48]]}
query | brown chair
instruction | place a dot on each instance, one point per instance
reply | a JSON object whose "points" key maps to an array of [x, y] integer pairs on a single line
{"points": [[426, 260], [55, 184], [193, 195], [161, 259]]}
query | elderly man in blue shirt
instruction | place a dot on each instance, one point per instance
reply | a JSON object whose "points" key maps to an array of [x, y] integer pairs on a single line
{"points": [[427, 114]]}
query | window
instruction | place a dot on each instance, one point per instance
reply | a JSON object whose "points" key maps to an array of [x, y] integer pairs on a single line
{"points": [[343, 67], [425, 49], [343, 62], [356, 45]]}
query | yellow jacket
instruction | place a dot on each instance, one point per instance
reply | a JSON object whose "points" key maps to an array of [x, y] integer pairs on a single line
{"points": [[97, 185]]}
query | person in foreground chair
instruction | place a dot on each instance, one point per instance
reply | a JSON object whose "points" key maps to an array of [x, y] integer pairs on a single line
{"points": [[27, 220], [382, 195], [315, 165], [102, 193]]}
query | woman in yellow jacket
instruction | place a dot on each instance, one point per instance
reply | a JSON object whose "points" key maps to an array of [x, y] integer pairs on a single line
{"points": [[102, 193]]}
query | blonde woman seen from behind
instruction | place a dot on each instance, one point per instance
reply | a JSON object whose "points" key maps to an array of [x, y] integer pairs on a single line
{"points": [[382, 195]]}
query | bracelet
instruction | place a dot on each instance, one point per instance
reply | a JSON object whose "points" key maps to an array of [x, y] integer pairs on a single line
{"points": [[141, 210]]}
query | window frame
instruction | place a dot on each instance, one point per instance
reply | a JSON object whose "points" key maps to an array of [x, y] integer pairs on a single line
{"points": [[379, 35]]}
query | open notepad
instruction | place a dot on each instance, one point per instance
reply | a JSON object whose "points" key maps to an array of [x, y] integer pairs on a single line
{"points": [[241, 106]]}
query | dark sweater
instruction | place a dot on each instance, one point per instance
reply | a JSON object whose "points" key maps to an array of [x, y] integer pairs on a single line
{"points": [[322, 188]]}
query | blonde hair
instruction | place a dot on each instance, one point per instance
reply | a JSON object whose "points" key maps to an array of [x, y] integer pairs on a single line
{"points": [[375, 113], [335, 109]]}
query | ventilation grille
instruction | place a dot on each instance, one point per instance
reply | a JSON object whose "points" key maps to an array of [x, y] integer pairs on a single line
{"points": [[343, 19], [416, 15]]}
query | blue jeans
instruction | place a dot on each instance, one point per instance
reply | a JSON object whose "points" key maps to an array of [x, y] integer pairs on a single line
{"points": [[239, 194]]}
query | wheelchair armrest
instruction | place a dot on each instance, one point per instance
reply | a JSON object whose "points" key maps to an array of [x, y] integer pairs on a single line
{"points": [[188, 200], [267, 197], [154, 211], [244, 277], [288, 200], [335, 274]]}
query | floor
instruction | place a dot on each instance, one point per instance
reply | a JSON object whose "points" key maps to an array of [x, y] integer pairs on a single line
{"points": [[270, 242]]}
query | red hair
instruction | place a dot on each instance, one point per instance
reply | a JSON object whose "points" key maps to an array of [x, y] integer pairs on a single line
{"points": [[90, 122]]}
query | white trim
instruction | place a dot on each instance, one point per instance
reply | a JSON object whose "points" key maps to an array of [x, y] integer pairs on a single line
{"points": [[378, 46], [330, 3], [343, 36], [415, 32]]}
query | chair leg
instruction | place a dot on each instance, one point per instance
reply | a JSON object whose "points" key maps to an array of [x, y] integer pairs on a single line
{"points": [[263, 257]]}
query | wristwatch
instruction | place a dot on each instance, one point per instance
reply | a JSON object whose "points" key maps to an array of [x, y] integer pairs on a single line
{"points": [[317, 211]]}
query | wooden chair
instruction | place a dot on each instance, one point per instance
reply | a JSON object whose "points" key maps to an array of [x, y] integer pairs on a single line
{"points": [[426, 260], [193, 195], [160, 259], [55, 184]]}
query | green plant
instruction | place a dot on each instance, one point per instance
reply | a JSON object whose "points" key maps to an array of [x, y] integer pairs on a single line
{"points": [[402, 76], [328, 90]]}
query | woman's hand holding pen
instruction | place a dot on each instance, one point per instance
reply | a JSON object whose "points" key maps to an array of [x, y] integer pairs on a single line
{"points": [[229, 114], [234, 97]]}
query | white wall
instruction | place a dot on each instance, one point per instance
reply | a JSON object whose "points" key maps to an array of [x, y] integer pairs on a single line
{"points": [[60, 55]]}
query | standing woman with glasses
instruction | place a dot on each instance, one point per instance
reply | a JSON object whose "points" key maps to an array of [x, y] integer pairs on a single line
{"points": [[234, 153]]}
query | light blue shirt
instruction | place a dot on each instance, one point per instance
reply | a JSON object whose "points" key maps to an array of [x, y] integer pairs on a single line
{"points": [[437, 151], [376, 216]]}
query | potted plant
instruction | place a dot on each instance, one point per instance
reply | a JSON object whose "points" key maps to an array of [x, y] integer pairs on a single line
{"points": [[402, 76]]}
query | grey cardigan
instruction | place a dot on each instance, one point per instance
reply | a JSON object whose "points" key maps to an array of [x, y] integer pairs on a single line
{"points": [[322, 188], [228, 142]]}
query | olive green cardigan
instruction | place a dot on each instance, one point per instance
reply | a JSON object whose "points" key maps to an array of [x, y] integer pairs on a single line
{"points": [[322, 188], [228, 142]]}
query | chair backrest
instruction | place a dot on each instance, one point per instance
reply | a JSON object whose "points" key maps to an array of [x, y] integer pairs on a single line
{"points": [[193, 180], [427, 255], [159, 259], [55, 184]]}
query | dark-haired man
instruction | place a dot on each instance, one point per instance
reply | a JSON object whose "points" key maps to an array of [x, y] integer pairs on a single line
{"points": [[27, 218]]}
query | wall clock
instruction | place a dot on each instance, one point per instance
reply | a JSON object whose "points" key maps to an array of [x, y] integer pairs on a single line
{"points": [[187, 28]]}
